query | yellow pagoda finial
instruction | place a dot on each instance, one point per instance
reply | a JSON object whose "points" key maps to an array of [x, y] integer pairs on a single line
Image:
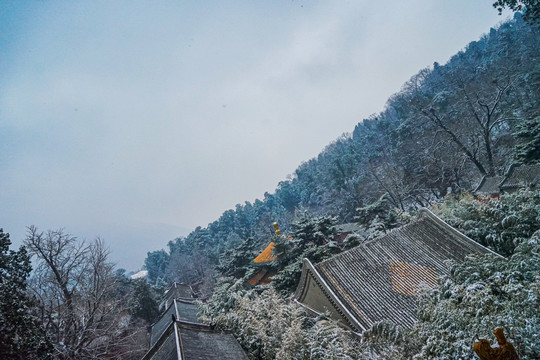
{"points": [[278, 232]]}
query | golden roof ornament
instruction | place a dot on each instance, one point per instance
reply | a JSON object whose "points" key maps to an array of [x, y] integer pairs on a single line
{"points": [[503, 351], [278, 232]]}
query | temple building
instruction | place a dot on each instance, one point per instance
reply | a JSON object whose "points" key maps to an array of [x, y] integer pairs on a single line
{"points": [[177, 334], [177, 291], [489, 187], [264, 261], [521, 177], [191, 341], [379, 280], [524, 176], [182, 310]]}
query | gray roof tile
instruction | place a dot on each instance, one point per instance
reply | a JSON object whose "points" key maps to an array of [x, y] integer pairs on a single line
{"points": [[182, 310], [195, 342], [520, 176], [489, 185], [201, 342], [378, 280]]}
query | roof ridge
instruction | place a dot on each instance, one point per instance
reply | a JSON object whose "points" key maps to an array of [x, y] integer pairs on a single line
{"points": [[425, 212]]}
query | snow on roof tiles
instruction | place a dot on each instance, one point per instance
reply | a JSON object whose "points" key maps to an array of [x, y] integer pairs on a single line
{"points": [[378, 280], [522, 176]]}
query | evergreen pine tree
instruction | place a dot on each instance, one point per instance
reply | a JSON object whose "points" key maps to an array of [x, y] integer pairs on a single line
{"points": [[528, 136], [144, 304], [21, 333]]}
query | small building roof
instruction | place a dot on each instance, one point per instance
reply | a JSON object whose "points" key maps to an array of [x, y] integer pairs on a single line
{"points": [[176, 291], [266, 255], [378, 280], [165, 347], [202, 342], [347, 228], [181, 309], [263, 276], [189, 341], [177, 335], [521, 176], [489, 185]]}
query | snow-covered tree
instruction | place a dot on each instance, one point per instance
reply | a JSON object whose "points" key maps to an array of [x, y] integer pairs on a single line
{"points": [[270, 327], [21, 333], [478, 296], [499, 225], [78, 298], [330, 342], [312, 237]]}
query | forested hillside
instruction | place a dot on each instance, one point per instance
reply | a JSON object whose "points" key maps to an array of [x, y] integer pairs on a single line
{"points": [[448, 126]]}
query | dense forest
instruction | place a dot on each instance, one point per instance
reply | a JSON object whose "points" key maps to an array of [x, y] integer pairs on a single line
{"points": [[446, 128]]}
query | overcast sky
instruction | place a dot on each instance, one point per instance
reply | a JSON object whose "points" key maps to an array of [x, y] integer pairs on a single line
{"points": [[137, 121]]}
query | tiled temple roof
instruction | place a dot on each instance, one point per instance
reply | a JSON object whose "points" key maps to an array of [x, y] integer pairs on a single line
{"points": [[165, 347], [182, 310], [378, 280], [264, 259], [489, 186], [201, 342], [266, 255], [161, 325], [176, 291], [518, 176], [177, 335], [521, 176], [188, 341]]}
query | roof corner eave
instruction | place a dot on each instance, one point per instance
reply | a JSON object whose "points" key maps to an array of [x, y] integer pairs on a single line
{"points": [[307, 266]]}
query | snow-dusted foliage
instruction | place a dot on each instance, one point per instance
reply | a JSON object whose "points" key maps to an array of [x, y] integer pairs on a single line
{"points": [[499, 225], [270, 327], [328, 341], [478, 296], [385, 340], [311, 237]]}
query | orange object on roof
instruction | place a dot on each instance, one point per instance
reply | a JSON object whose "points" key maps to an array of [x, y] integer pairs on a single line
{"points": [[266, 255]]}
